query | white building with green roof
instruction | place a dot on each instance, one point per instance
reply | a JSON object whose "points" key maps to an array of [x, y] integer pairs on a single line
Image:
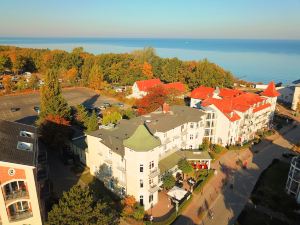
{"points": [[139, 151]]}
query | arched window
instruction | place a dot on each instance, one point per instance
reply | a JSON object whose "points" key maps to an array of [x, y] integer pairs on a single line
{"points": [[141, 200]]}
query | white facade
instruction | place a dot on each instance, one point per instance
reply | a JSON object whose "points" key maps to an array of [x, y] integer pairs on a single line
{"points": [[138, 172], [136, 92], [290, 95], [236, 126]]}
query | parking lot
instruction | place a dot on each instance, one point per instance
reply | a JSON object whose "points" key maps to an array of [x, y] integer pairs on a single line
{"points": [[26, 102]]}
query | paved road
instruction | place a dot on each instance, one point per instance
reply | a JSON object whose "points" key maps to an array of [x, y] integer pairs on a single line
{"points": [[26, 102], [227, 203]]}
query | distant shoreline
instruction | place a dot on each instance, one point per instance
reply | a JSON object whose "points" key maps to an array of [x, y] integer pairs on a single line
{"points": [[250, 59]]}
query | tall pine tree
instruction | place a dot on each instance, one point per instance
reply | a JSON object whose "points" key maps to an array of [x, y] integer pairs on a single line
{"points": [[52, 101]]}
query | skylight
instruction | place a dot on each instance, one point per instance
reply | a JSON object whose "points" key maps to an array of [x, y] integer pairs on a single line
{"points": [[24, 146], [27, 134]]}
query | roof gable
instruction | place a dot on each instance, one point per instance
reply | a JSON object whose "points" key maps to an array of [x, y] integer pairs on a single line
{"points": [[270, 91], [202, 92]]}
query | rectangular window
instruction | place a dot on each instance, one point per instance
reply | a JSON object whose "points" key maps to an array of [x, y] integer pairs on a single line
{"points": [[141, 183], [150, 181], [150, 198], [141, 168], [191, 137], [192, 125], [151, 165]]}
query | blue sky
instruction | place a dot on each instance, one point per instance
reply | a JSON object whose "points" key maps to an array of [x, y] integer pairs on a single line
{"points": [[266, 19]]}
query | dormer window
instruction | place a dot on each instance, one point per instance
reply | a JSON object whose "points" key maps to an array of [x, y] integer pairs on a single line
{"points": [[24, 133], [24, 146]]}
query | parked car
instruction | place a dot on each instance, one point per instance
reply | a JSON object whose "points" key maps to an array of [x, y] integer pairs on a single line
{"points": [[106, 104], [36, 109], [120, 104], [14, 109], [102, 107]]}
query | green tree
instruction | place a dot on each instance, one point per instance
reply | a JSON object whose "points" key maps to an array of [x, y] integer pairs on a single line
{"points": [[77, 207], [112, 117], [168, 181], [82, 116], [205, 145], [138, 212], [92, 124], [5, 63], [185, 166], [52, 101]]}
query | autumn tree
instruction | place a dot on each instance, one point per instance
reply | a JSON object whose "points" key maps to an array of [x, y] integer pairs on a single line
{"points": [[154, 99], [95, 77], [33, 82], [77, 206], [8, 83], [147, 70], [71, 75], [21, 84]]}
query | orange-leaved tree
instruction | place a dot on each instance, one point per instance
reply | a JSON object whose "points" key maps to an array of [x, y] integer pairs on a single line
{"points": [[147, 70], [154, 99], [8, 83]]}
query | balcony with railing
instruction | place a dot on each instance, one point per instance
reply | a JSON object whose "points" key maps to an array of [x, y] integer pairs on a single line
{"points": [[16, 195], [21, 215], [153, 188], [154, 172]]}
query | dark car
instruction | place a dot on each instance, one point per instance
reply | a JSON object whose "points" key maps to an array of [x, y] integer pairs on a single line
{"points": [[36, 109], [14, 109]]}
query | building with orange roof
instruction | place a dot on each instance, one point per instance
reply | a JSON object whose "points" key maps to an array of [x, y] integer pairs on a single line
{"points": [[234, 116]]}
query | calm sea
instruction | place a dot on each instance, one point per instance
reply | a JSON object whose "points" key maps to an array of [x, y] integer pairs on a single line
{"points": [[252, 60]]}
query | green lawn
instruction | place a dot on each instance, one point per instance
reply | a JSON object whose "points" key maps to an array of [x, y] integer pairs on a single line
{"points": [[270, 190]]}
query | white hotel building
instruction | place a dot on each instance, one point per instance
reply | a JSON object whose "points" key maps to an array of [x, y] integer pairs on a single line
{"points": [[139, 151], [235, 116]]}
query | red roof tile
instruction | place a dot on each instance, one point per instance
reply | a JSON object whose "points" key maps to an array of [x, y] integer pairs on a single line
{"points": [[261, 107], [176, 85], [226, 92], [144, 85], [270, 90], [202, 92]]}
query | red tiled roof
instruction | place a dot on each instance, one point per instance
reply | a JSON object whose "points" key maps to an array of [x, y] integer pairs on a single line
{"points": [[202, 92], [261, 107], [270, 90], [176, 85], [227, 92], [144, 85]]}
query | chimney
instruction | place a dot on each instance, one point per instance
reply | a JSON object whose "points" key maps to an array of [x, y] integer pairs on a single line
{"points": [[166, 107]]}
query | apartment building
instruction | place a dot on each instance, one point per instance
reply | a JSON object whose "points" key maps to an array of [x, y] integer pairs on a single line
{"points": [[234, 116], [19, 195], [138, 152], [290, 94], [293, 182]]}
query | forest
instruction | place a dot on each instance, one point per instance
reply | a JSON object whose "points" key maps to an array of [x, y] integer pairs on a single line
{"points": [[96, 71]]}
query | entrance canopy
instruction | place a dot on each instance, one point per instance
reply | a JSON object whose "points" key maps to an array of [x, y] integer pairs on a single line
{"points": [[177, 193]]}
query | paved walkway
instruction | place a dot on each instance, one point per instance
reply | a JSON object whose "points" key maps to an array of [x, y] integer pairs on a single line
{"points": [[226, 202]]}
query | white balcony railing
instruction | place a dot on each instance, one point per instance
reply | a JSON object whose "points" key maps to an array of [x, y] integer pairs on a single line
{"points": [[154, 172], [153, 188]]}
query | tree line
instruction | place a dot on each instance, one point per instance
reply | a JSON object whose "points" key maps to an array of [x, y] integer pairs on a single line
{"points": [[81, 68]]}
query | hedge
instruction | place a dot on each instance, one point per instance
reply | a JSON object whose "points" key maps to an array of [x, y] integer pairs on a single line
{"points": [[201, 185]]}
